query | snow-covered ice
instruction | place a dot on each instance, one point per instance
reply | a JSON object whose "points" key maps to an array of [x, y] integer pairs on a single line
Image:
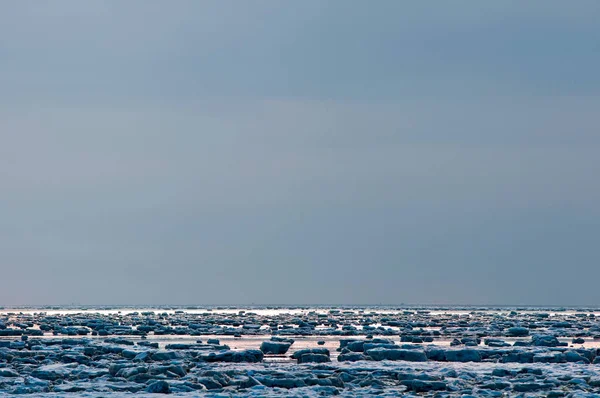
{"points": [[300, 352]]}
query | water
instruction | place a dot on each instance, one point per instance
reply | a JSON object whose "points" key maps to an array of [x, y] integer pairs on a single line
{"points": [[301, 342]]}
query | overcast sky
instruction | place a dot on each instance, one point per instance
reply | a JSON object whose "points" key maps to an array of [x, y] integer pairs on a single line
{"points": [[222, 152]]}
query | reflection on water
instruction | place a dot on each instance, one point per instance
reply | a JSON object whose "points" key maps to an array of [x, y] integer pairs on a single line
{"points": [[273, 311], [301, 342]]}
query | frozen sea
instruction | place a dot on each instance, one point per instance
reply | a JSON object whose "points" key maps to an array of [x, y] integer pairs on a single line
{"points": [[223, 351]]}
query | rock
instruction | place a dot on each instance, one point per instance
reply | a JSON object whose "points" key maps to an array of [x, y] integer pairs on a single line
{"points": [[531, 371], [471, 341], [129, 372], [317, 358], [299, 353], [499, 372], [274, 347], [142, 357], [165, 355], [282, 339], [549, 357], [356, 346], [420, 386], [574, 356], [370, 346], [496, 343], [180, 346], [497, 385], [380, 354], [517, 331], [544, 341], [69, 388], [159, 387], [115, 368], [53, 372], [210, 383], [8, 373], [595, 382], [129, 354], [234, 356], [589, 354], [466, 355], [119, 341], [177, 370], [528, 387], [249, 382], [344, 342], [284, 382], [352, 357], [89, 367], [517, 356], [148, 344]]}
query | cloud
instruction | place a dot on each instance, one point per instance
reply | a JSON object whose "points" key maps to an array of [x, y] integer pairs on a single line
{"points": [[218, 152]]}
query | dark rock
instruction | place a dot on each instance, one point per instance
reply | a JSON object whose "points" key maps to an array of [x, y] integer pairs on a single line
{"points": [[8, 373], [466, 355], [299, 353], [544, 341], [420, 386], [517, 331], [159, 387], [234, 356], [578, 340], [352, 357], [318, 358], [275, 347], [380, 354], [165, 355]]}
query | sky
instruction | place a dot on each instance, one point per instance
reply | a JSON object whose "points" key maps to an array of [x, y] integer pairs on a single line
{"points": [[299, 152]]}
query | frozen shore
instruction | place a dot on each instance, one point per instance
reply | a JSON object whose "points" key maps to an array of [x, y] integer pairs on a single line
{"points": [[300, 352]]}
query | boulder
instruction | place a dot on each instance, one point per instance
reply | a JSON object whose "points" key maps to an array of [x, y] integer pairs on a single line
{"points": [[528, 387], [352, 357], [381, 354], [210, 383], [517, 331], [275, 347], [165, 355], [7, 372], [317, 358], [159, 387], [466, 355], [299, 353], [420, 386], [544, 341], [234, 356], [53, 372]]}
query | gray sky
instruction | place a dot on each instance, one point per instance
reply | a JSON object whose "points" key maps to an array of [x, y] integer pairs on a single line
{"points": [[217, 152]]}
